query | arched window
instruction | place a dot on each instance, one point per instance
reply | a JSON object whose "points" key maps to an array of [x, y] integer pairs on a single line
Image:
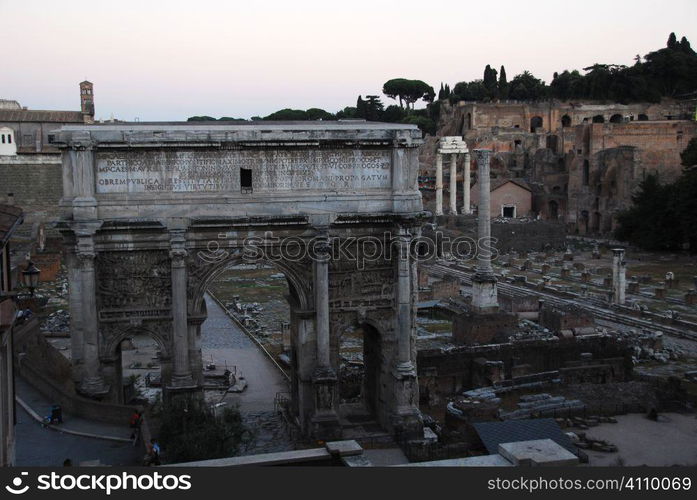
{"points": [[598, 119], [566, 121], [616, 118], [643, 118], [9, 138]]}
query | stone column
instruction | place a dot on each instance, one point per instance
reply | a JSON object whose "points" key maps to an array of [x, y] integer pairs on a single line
{"points": [[619, 276], [325, 421], [181, 369], [92, 381], [439, 184], [321, 287], [453, 184], [404, 361], [466, 187], [484, 293]]}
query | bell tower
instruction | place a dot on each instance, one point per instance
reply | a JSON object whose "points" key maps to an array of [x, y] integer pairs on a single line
{"points": [[87, 101]]}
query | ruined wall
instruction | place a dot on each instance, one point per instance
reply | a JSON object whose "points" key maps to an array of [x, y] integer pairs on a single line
{"points": [[583, 161], [445, 372], [36, 182]]}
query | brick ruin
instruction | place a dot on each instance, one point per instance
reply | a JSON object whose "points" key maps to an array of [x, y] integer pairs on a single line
{"points": [[582, 161]]}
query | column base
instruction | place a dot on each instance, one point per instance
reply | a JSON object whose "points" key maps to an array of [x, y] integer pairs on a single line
{"points": [[484, 293], [182, 382], [94, 387], [325, 424], [403, 370]]}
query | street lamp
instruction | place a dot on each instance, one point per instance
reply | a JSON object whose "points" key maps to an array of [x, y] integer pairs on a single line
{"points": [[30, 277]]}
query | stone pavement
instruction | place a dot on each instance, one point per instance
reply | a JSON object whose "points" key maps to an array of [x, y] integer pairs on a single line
{"points": [[223, 342], [37, 445]]}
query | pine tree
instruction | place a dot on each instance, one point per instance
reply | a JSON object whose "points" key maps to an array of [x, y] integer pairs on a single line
{"points": [[672, 41]]}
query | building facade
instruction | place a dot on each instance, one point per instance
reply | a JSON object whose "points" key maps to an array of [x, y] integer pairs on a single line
{"points": [[30, 165], [10, 218]]}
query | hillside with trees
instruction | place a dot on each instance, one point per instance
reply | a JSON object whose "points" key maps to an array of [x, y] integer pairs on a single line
{"points": [[668, 72]]}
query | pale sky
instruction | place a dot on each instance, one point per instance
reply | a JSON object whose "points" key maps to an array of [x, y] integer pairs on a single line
{"points": [[168, 60]]}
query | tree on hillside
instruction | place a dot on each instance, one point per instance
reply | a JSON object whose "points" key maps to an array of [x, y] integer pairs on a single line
{"points": [[672, 41], [503, 84], [650, 222], [201, 118], [526, 87], [490, 82], [469, 91], [370, 109], [408, 91]]}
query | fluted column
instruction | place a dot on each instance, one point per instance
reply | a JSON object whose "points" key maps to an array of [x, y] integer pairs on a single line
{"points": [[453, 183], [181, 368], [439, 184], [466, 202]]}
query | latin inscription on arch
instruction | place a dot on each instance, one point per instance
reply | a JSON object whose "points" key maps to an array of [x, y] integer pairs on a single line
{"points": [[219, 171]]}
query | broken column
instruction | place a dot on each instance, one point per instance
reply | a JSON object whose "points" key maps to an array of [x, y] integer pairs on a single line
{"points": [[484, 293], [439, 184], [619, 276], [466, 187]]}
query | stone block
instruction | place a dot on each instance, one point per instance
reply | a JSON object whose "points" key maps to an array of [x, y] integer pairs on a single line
{"points": [[540, 452]]}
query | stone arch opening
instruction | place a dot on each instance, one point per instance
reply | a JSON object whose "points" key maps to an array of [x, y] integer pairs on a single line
{"points": [[566, 121], [616, 118], [598, 119], [535, 123], [360, 353], [643, 117], [139, 361]]}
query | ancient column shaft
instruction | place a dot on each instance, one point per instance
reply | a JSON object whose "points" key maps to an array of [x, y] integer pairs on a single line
{"points": [[92, 381], [321, 286], [439, 184], [181, 369], [404, 303], [484, 290], [453, 183], [466, 187], [619, 276], [484, 214]]}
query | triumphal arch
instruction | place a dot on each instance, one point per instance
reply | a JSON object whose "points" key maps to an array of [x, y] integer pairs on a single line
{"points": [[153, 212]]}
